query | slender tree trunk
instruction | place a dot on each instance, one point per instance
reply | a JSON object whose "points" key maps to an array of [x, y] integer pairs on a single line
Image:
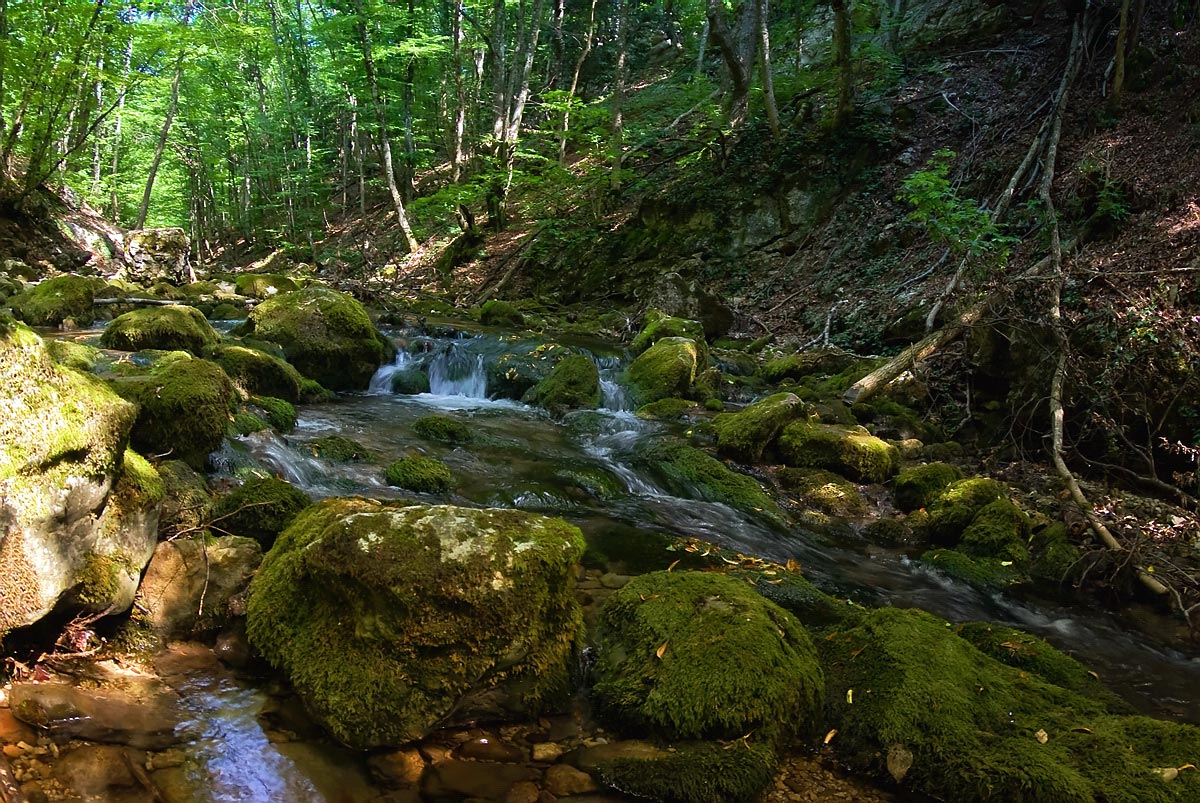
{"points": [[588, 39], [764, 44], [460, 94], [98, 93], [738, 49], [172, 105], [3, 59], [618, 132], [557, 14], [842, 61], [116, 137], [700, 50], [1118, 85], [499, 74], [385, 143]]}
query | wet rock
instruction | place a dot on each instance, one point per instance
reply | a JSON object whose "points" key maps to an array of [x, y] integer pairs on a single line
{"points": [[490, 748], [614, 581], [573, 384], [681, 298], [564, 780], [547, 751], [147, 720], [589, 759], [454, 780], [13, 730], [665, 370], [399, 768], [93, 769], [190, 575], [523, 792], [232, 647]]}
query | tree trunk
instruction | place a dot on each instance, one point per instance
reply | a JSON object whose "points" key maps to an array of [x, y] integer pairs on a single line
{"points": [[1118, 85], [589, 38], [460, 95], [499, 74], [764, 44], [172, 105], [618, 132], [700, 50], [739, 50], [3, 59], [364, 41], [842, 62]]}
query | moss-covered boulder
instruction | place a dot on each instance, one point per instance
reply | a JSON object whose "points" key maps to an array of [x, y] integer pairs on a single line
{"points": [[953, 509], [659, 325], [690, 472], [691, 655], [258, 373], [513, 375], [393, 620], [916, 487], [746, 434], [573, 384], [280, 414], [986, 574], [77, 356], [183, 409], [807, 363], [338, 448], [850, 451], [78, 510], [665, 370], [56, 300], [421, 474], [694, 772], [914, 701], [999, 530], [172, 328], [226, 311], [410, 382], [443, 429], [263, 285], [500, 313], [260, 508], [186, 501], [1055, 558], [823, 491], [667, 410], [326, 335]]}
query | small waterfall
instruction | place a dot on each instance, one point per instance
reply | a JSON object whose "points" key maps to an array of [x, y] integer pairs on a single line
{"points": [[455, 371], [381, 382], [612, 392]]}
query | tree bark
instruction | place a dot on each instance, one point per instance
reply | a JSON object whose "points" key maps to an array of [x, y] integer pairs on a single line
{"points": [[460, 95], [738, 50], [842, 63], [364, 41], [172, 105], [618, 131], [589, 38], [768, 81], [1118, 85]]}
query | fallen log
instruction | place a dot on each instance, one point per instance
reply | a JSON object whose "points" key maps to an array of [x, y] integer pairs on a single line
{"points": [[149, 302]]}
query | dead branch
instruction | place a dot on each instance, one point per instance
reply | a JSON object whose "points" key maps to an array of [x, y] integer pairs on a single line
{"points": [[149, 302]]}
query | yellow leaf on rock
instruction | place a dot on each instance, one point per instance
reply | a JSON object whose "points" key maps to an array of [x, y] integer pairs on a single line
{"points": [[1041, 736], [850, 696], [829, 736], [673, 565], [661, 651], [793, 565]]}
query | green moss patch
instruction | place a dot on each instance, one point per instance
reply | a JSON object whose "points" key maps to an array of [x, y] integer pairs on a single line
{"points": [[745, 435], [953, 509], [388, 619], [500, 313], [339, 449], [849, 451], [999, 530], [823, 491], [168, 328], [443, 429], [410, 382], [666, 370], [573, 384], [695, 773], [513, 375], [280, 414], [667, 410], [693, 655], [918, 486], [804, 364], [263, 285], [260, 508], [422, 474], [56, 300], [77, 356], [689, 472], [659, 325], [258, 373]]}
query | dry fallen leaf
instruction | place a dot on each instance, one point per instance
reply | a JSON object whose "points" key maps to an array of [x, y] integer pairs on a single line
{"points": [[829, 736], [899, 761], [1167, 773], [661, 651], [1041, 736], [673, 565], [850, 696], [793, 565]]}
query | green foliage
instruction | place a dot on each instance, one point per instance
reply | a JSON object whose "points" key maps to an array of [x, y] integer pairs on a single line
{"points": [[957, 221], [422, 474]]}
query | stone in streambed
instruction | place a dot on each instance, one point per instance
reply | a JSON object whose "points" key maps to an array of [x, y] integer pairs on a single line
{"points": [[148, 720], [455, 780]]}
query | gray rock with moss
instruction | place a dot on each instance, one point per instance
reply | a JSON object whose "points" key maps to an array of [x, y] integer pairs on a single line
{"points": [[57, 300], [746, 434], [260, 374], [665, 370], [690, 472], [326, 335], [169, 328], [190, 581], [392, 620], [78, 510], [850, 451], [573, 384]]}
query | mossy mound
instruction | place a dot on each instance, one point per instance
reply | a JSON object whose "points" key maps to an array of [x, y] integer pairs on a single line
{"points": [[391, 620], [263, 285], [988, 574], [694, 773], [339, 449], [912, 699], [999, 530], [659, 325], [56, 300], [824, 491], [410, 382], [280, 414], [246, 423], [184, 407], [689, 472], [169, 328], [500, 313], [513, 375], [421, 474], [796, 595], [667, 410], [666, 370], [227, 312], [258, 373], [746, 434], [916, 487], [1055, 558], [692, 655], [573, 384], [850, 451], [953, 509], [443, 429], [260, 508], [326, 335], [186, 499], [807, 363], [77, 356]]}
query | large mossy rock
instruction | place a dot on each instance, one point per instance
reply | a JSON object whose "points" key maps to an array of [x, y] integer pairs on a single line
{"points": [[421, 474], [746, 434], [168, 328], [263, 285], [690, 472], [500, 313], [913, 700], [156, 255], [56, 300], [513, 375], [665, 370], [916, 487], [260, 509], [326, 335], [183, 409], [659, 325], [573, 384], [694, 772], [692, 655], [953, 510], [391, 620], [850, 451], [78, 510], [260, 374]]}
